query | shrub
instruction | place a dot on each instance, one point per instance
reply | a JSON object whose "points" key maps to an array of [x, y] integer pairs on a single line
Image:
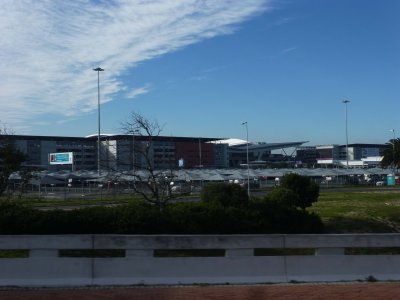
{"points": [[140, 217], [283, 197], [273, 217], [17, 219], [259, 216], [225, 194], [307, 191]]}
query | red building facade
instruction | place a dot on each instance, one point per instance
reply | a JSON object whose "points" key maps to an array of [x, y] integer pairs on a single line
{"points": [[195, 154]]}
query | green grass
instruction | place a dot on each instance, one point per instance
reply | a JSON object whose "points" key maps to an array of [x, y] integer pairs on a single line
{"points": [[41, 202], [20, 253], [359, 212], [58, 203]]}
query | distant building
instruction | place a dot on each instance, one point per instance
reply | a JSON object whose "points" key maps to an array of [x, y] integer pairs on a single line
{"points": [[328, 154], [259, 153], [38, 149], [117, 151], [306, 155], [363, 151], [359, 155], [121, 152]]}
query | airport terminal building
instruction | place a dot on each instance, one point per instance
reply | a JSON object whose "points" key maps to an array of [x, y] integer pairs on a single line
{"points": [[123, 152], [117, 152], [358, 155]]}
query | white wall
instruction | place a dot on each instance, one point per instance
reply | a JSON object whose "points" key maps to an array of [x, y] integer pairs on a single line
{"points": [[44, 267]]}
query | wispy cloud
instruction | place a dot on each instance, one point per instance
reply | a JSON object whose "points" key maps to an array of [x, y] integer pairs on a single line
{"points": [[49, 48], [198, 78], [137, 91], [287, 50], [283, 21], [203, 74]]}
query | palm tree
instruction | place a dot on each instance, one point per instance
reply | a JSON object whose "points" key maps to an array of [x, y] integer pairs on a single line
{"points": [[391, 156]]}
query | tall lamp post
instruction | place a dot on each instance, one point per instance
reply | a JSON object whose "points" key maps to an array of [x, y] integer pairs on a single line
{"points": [[393, 156], [247, 154], [347, 136], [98, 70], [134, 131], [200, 162]]}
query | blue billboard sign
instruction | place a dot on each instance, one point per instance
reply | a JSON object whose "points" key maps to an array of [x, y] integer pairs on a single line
{"points": [[181, 163], [62, 158]]}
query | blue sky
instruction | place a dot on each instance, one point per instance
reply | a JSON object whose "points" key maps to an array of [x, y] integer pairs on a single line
{"points": [[202, 67]]}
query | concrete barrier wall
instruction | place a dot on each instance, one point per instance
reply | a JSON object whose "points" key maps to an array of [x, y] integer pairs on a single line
{"points": [[45, 267]]}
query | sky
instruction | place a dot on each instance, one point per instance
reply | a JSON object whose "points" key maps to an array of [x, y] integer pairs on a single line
{"points": [[202, 67]]}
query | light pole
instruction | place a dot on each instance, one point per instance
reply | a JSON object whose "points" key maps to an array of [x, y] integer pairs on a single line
{"points": [[98, 70], [134, 131], [347, 137], [393, 156], [200, 162], [247, 154]]}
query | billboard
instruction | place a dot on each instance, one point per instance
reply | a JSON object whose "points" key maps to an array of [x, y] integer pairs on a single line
{"points": [[62, 158], [181, 163]]}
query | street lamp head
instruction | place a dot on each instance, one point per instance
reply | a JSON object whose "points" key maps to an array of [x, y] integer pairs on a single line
{"points": [[98, 69], [394, 134], [244, 123], [345, 101]]}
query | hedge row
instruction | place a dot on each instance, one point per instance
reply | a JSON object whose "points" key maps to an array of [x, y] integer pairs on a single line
{"points": [[258, 216]]}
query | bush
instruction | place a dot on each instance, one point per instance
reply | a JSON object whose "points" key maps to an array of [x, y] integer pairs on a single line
{"points": [[225, 194], [307, 191], [259, 216], [17, 219], [283, 197], [273, 217], [140, 217]]}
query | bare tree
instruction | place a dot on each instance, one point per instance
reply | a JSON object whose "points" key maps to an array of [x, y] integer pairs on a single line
{"points": [[153, 184]]}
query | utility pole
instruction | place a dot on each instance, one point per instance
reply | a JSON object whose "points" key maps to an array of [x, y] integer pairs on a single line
{"points": [[347, 136], [247, 154], [98, 70]]}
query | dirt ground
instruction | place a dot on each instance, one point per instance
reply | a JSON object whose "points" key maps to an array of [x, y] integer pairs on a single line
{"points": [[342, 291]]}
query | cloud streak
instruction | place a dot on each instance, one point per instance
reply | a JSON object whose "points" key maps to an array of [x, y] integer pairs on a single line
{"points": [[137, 92], [49, 48], [287, 50]]}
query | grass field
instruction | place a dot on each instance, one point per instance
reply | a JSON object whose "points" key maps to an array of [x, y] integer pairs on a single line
{"points": [[359, 212]]}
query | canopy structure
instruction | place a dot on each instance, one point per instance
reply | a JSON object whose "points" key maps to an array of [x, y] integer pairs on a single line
{"points": [[241, 173], [193, 175]]}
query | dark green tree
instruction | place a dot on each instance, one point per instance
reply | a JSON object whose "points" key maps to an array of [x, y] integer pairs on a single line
{"points": [[391, 155], [283, 197], [225, 194], [307, 191], [11, 159]]}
